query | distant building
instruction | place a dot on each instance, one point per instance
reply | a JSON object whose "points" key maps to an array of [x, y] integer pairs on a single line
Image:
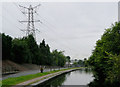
{"points": [[119, 11]]}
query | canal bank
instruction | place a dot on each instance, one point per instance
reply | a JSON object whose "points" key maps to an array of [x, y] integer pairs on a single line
{"points": [[44, 78], [77, 78], [52, 76]]}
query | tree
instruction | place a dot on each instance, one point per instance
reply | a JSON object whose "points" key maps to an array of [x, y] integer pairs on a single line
{"points": [[59, 58], [68, 60], [20, 51], [101, 59], [33, 47], [6, 46], [26, 50], [81, 62], [45, 54]]}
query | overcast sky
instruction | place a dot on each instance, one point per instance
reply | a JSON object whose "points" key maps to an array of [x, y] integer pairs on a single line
{"points": [[73, 27]]}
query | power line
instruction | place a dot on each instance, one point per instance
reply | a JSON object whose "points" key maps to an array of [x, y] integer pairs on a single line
{"points": [[31, 11], [11, 22], [19, 8], [60, 43], [11, 15], [55, 33], [50, 27]]}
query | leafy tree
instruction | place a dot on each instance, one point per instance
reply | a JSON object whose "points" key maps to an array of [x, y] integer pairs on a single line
{"points": [[20, 52], [81, 62], [6, 46], [101, 58], [68, 58], [59, 58], [26, 50], [45, 54], [33, 47]]}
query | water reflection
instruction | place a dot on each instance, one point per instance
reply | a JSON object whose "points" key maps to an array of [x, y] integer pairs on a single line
{"points": [[55, 82], [79, 77]]}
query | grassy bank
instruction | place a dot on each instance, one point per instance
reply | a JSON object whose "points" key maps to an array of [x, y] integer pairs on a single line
{"points": [[15, 80]]}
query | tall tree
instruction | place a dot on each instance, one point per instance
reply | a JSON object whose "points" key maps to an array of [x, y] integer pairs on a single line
{"points": [[108, 45], [59, 58], [45, 54], [20, 51], [6, 46], [33, 47]]}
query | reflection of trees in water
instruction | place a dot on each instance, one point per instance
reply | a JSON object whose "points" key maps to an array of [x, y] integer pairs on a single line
{"points": [[84, 70], [80, 70], [98, 83], [59, 80], [55, 82], [68, 74], [88, 70]]}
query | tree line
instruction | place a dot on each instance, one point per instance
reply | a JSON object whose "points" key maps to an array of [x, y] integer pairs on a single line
{"points": [[26, 50], [105, 58], [80, 63]]}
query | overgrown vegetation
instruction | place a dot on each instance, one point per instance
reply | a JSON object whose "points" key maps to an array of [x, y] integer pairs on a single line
{"points": [[26, 50], [105, 58]]}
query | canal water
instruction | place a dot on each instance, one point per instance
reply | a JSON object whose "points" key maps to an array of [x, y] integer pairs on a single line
{"points": [[78, 78]]}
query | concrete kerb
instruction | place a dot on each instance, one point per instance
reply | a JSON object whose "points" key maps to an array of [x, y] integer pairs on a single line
{"points": [[39, 80], [55, 74]]}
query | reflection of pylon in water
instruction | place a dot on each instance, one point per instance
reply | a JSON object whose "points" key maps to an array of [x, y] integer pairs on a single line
{"points": [[30, 22]]}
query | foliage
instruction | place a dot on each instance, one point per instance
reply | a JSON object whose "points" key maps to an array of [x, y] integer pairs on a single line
{"points": [[6, 46], [33, 49], [45, 55], [81, 62], [59, 58], [105, 57], [26, 50], [68, 59], [20, 52]]}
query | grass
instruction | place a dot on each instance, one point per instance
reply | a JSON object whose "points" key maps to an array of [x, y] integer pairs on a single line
{"points": [[15, 80]]}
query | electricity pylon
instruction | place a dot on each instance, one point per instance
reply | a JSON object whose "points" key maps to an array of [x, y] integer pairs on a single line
{"points": [[30, 19]]}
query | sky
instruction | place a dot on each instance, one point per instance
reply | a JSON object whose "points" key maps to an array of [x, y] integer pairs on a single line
{"points": [[72, 27]]}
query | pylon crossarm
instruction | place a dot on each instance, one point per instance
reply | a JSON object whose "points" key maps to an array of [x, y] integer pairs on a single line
{"points": [[36, 6], [23, 7]]}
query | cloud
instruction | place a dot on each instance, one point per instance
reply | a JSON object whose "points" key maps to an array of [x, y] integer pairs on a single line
{"points": [[70, 26]]}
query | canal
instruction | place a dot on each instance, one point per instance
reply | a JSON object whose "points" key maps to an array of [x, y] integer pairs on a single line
{"points": [[80, 78]]}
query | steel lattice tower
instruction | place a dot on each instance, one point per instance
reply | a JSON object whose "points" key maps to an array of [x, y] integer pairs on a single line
{"points": [[30, 20]]}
